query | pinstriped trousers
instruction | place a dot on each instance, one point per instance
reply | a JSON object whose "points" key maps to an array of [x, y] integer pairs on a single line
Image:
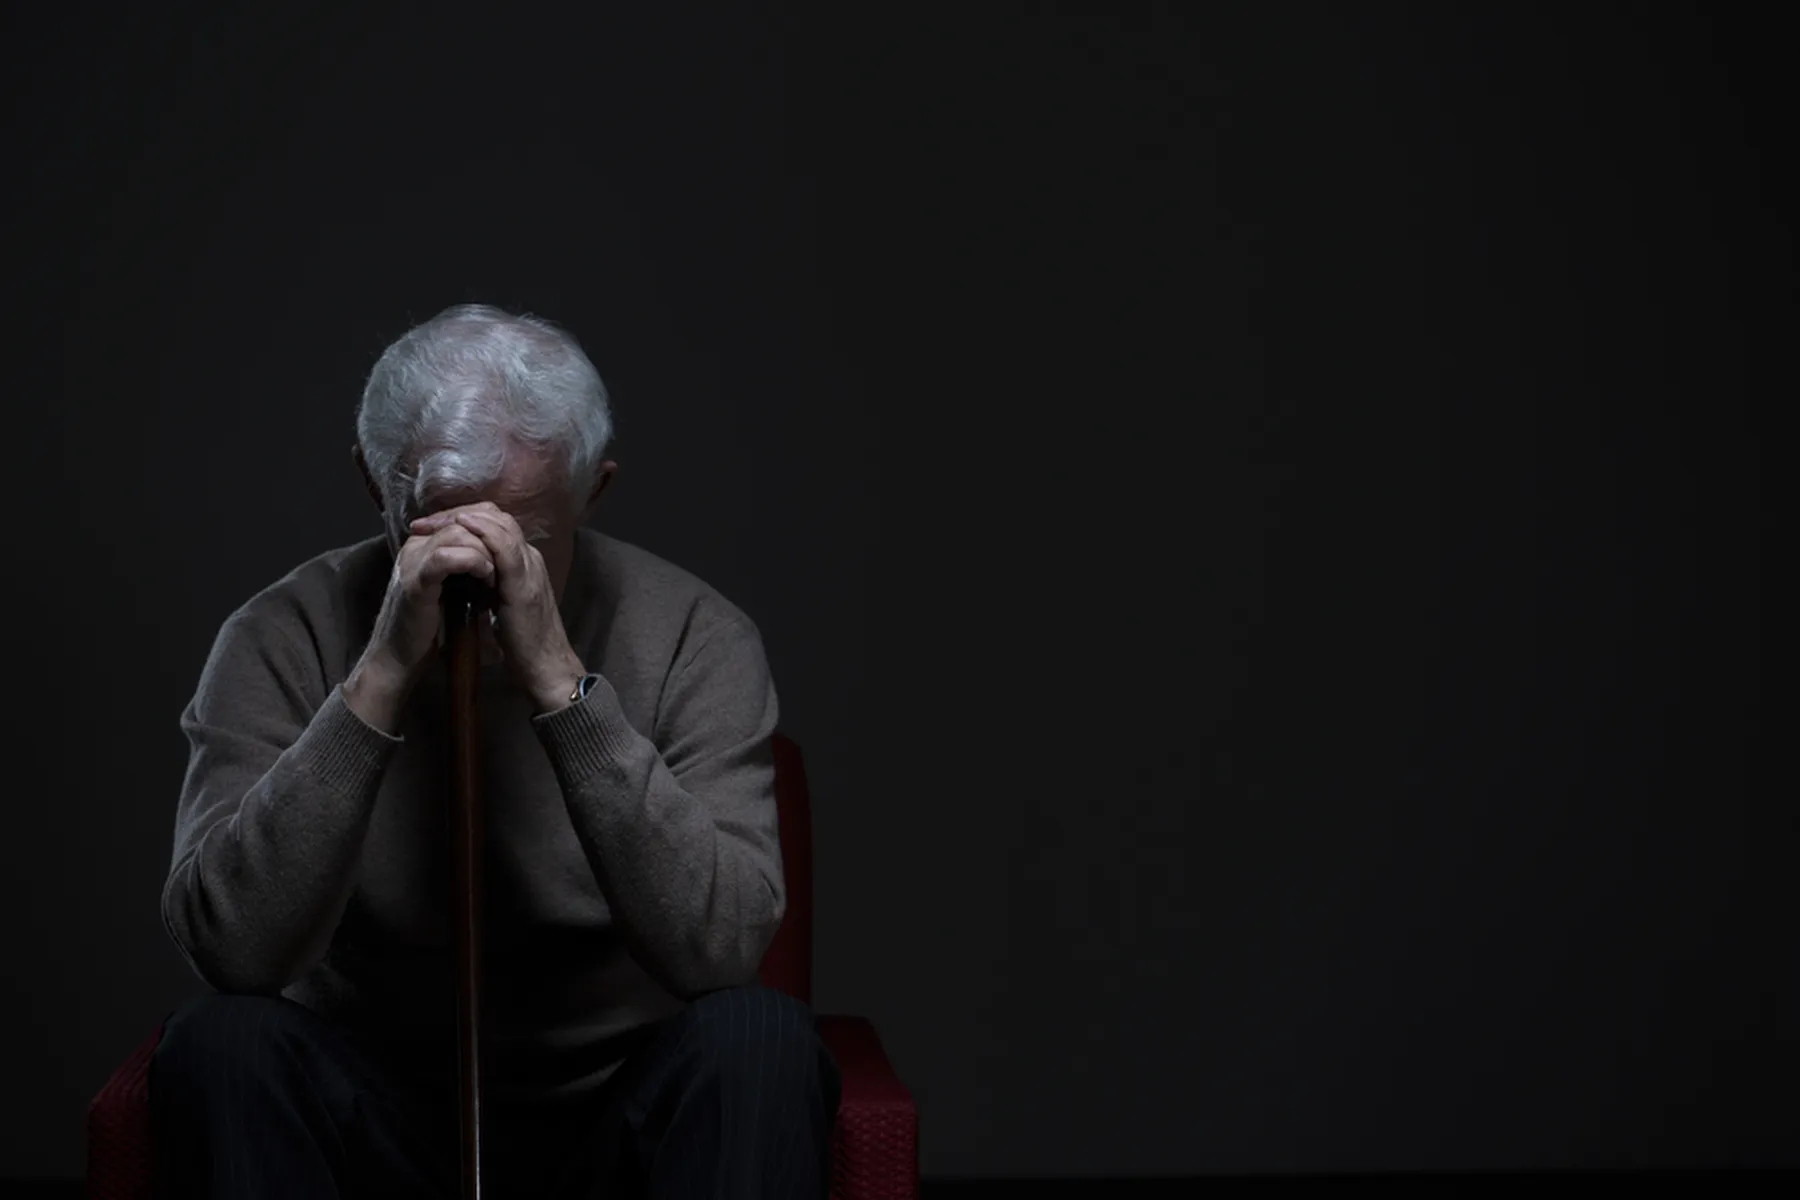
{"points": [[259, 1098]]}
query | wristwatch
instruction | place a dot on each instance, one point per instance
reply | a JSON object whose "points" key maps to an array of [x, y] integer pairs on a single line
{"points": [[582, 688]]}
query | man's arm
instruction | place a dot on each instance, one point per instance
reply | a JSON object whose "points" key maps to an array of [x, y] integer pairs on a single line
{"points": [[281, 783], [683, 839]]}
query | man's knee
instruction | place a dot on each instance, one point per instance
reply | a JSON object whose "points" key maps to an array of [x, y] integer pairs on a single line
{"points": [[758, 1035], [222, 1035]]}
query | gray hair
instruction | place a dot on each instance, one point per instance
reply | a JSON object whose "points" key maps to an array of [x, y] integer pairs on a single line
{"points": [[448, 400]]}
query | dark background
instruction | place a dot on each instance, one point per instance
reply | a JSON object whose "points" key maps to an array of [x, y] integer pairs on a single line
{"points": [[1257, 512]]}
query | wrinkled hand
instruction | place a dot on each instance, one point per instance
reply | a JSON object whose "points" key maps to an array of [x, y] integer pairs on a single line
{"points": [[406, 630], [411, 619], [528, 622]]}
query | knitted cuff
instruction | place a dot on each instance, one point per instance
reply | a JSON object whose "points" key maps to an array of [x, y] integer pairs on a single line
{"points": [[587, 736], [342, 752]]}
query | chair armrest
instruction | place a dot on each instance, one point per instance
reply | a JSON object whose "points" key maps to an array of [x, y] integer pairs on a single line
{"points": [[876, 1143], [118, 1121]]}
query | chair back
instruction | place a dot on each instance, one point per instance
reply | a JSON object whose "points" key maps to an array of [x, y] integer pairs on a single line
{"points": [[787, 966]]}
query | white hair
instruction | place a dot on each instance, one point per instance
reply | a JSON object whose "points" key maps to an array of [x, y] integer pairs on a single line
{"points": [[448, 401]]}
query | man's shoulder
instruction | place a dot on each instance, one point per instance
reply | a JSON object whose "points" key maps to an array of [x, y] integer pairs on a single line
{"points": [[647, 589], [321, 597]]}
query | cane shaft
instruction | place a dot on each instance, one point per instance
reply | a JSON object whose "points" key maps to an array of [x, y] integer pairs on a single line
{"points": [[463, 646]]}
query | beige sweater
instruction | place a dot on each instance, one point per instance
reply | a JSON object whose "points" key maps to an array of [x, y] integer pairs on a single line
{"points": [[632, 855]]}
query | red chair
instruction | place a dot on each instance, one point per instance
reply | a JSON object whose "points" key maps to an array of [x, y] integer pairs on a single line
{"points": [[875, 1150]]}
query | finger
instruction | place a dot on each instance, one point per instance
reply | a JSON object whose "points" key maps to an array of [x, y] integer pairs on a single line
{"points": [[453, 534], [444, 561], [500, 534], [437, 520], [494, 518], [456, 534]]}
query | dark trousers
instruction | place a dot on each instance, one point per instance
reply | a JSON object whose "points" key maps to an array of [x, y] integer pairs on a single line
{"points": [[259, 1098]]}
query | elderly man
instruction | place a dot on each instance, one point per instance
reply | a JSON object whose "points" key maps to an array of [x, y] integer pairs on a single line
{"points": [[633, 873]]}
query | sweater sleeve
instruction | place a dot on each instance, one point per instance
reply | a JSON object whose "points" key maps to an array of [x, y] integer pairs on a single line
{"points": [[280, 787], [681, 831]]}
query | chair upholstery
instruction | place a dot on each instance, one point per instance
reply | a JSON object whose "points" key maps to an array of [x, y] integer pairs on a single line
{"points": [[787, 964], [875, 1145]]}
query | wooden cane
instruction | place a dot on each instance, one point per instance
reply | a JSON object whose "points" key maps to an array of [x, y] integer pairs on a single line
{"points": [[464, 604]]}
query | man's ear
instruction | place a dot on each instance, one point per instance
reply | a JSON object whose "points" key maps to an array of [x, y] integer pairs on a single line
{"points": [[362, 464], [603, 475]]}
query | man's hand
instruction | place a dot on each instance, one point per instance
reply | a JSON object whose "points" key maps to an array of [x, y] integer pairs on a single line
{"points": [[411, 619], [528, 622]]}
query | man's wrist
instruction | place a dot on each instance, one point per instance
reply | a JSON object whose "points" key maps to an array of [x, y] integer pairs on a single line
{"points": [[376, 692], [558, 689]]}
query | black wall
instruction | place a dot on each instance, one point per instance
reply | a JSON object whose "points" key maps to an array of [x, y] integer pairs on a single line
{"points": [[1257, 512]]}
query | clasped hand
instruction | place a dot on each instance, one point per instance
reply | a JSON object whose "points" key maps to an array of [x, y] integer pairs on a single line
{"points": [[527, 620], [484, 541]]}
